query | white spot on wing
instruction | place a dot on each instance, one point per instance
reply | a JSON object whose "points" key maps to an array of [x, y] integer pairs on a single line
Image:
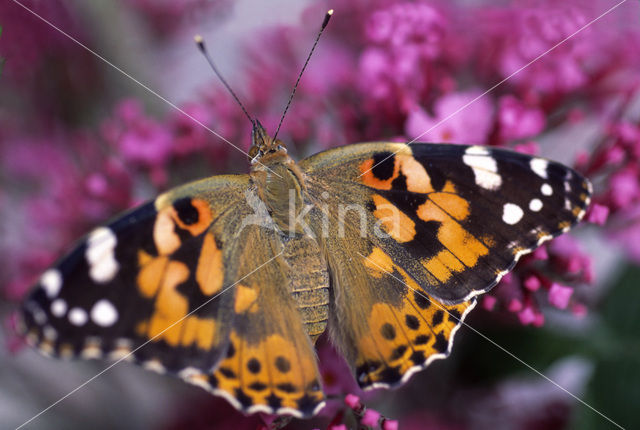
{"points": [[546, 189], [51, 281], [511, 213], [535, 205], [485, 168], [104, 313], [539, 166], [78, 317], [58, 308], [100, 256]]}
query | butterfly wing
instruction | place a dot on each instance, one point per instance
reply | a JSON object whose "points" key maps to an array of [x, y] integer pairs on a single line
{"points": [[427, 223], [126, 283], [180, 285]]}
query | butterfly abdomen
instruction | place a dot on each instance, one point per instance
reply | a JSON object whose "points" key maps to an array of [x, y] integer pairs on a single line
{"points": [[309, 283]]}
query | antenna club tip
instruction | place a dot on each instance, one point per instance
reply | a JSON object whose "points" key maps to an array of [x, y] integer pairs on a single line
{"points": [[199, 41], [326, 18]]}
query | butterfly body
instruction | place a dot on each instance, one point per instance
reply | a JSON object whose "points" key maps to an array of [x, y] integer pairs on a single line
{"points": [[227, 282]]}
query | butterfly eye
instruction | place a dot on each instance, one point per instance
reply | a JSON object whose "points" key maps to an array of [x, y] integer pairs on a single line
{"points": [[253, 152]]}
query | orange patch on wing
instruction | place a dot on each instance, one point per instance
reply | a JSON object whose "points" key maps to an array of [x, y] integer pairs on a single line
{"points": [[460, 242], [271, 367], [209, 273], [205, 217], [164, 235], [378, 263], [198, 331], [368, 178], [417, 178], [150, 276], [245, 298], [395, 222], [403, 336], [443, 265], [143, 258], [452, 204], [418, 181], [170, 306]]}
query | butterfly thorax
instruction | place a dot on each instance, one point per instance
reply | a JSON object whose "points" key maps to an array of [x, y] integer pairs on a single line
{"points": [[278, 179]]}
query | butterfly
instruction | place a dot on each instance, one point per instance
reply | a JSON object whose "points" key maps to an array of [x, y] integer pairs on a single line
{"points": [[227, 282]]}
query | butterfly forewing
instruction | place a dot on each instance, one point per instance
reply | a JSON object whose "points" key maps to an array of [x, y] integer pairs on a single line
{"points": [[127, 283], [457, 217]]}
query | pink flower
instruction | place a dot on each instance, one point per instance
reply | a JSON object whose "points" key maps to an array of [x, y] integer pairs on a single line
{"points": [[352, 401], [625, 188], [489, 302], [370, 418], [516, 120], [516, 36], [559, 295], [189, 134], [459, 118], [597, 214], [527, 315], [390, 425], [148, 143], [515, 305], [532, 283]]}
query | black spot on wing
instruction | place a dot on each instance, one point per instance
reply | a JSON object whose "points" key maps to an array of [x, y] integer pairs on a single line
{"points": [[441, 343], [454, 315], [227, 373], [412, 321], [254, 366], [307, 404], [274, 401], [187, 213], [421, 300], [417, 358], [391, 375], [437, 317], [383, 165], [283, 364], [287, 387], [258, 386], [388, 332], [422, 339], [398, 352], [244, 400]]}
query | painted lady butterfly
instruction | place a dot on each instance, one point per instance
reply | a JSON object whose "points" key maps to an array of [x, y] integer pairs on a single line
{"points": [[227, 282]]}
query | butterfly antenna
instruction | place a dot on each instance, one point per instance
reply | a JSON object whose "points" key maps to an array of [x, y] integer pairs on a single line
{"points": [[201, 46], [295, 87]]}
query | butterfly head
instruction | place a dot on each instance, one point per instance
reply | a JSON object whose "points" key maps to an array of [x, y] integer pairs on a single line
{"points": [[262, 144]]}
